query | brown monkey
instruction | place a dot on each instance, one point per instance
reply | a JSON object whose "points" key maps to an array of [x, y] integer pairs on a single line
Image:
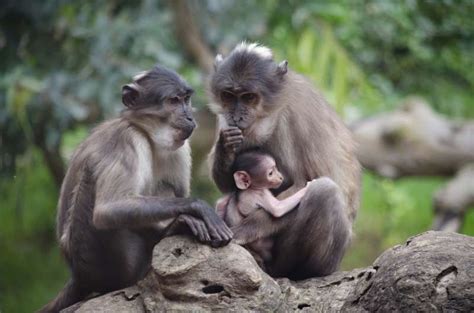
{"points": [[255, 173], [261, 103], [127, 187]]}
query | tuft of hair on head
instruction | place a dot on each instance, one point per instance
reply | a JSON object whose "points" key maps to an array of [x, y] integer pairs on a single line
{"points": [[255, 48], [140, 75], [249, 159]]}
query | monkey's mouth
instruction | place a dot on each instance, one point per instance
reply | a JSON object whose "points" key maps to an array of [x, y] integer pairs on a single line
{"points": [[277, 185], [183, 133]]}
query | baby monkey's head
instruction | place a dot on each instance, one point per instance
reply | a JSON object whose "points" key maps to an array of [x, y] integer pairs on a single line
{"points": [[256, 169]]}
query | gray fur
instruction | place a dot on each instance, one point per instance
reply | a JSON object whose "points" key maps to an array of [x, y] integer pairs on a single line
{"points": [[127, 187], [308, 140]]}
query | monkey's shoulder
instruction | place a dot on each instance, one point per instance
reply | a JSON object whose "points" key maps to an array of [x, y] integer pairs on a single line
{"points": [[247, 202]]}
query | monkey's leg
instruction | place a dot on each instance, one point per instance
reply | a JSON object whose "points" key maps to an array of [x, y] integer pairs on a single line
{"points": [[316, 239]]}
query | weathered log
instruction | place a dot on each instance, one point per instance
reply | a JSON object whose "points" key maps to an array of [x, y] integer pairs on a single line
{"points": [[433, 271], [414, 141]]}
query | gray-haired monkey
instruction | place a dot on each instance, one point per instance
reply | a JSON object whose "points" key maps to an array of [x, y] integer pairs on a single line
{"points": [[255, 173], [126, 188], [261, 103]]}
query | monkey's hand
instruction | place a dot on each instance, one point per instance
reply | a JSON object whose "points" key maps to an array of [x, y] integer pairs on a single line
{"points": [[197, 227], [219, 232], [231, 139]]}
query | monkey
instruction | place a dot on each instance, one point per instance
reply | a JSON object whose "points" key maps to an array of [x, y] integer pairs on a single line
{"points": [[255, 173], [261, 103], [127, 187]]}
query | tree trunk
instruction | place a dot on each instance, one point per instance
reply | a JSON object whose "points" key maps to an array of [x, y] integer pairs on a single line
{"points": [[187, 30]]}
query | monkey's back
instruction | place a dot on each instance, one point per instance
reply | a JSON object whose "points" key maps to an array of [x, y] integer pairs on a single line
{"points": [[78, 190], [318, 144]]}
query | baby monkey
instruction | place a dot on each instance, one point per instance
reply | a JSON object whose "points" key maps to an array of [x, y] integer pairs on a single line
{"points": [[255, 173]]}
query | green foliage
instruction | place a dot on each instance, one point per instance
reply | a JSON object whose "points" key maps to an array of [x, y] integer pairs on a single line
{"points": [[392, 211], [404, 47], [30, 266], [319, 56]]}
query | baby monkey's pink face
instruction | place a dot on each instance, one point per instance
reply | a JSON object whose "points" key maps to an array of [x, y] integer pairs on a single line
{"points": [[271, 177]]}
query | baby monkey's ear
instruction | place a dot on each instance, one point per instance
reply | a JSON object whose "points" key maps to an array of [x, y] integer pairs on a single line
{"points": [[242, 180]]}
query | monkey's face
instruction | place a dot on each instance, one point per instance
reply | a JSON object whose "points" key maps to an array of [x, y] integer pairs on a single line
{"points": [[269, 175], [245, 84], [160, 102], [240, 107], [180, 115]]}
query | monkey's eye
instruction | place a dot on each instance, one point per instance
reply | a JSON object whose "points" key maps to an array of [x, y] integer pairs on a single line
{"points": [[187, 98], [174, 100], [227, 96], [271, 173], [249, 97]]}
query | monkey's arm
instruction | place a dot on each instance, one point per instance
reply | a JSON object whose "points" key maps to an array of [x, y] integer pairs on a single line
{"points": [[137, 212], [278, 208], [223, 156], [119, 204]]}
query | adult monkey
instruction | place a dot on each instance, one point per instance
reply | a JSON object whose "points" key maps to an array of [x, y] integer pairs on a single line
{"points": [[126, 189], [261, 103]]}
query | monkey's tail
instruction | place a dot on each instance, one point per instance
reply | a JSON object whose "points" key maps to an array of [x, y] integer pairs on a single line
{"points": [[70, 294]]}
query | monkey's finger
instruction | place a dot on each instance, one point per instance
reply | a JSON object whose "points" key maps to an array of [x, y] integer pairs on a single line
{"points": [[199, 229], [193, 227], [228, 232], [201, 233], [222, 228], [218, 229], [213, 227], [228, 137], [204, 232], [232, 130], [234, 140]]}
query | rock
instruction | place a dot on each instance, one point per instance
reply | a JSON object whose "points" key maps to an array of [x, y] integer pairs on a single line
{"points": [[433, 271]]}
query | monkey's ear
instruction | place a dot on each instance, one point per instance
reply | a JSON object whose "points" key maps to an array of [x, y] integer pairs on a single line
{"points": [[242, 180], [282, 68], [217, 61], [130, 94]]}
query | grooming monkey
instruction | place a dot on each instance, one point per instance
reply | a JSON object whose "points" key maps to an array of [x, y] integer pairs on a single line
{"points": [[126, 188], [255, 173], [261, 103]]}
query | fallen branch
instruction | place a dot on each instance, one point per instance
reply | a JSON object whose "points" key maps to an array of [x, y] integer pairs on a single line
{"points": [[414, 141], [430, 272]]}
